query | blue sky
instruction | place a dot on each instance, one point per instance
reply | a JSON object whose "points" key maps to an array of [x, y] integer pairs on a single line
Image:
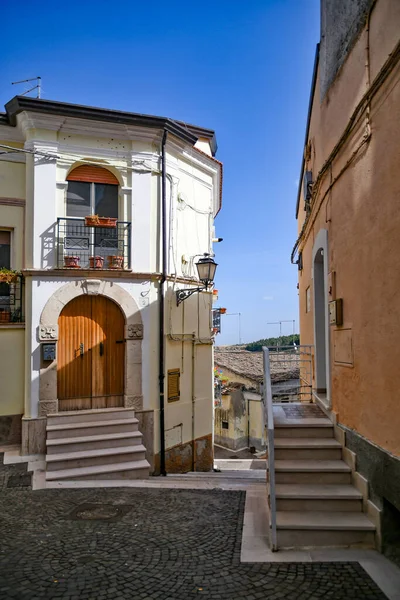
{"points": [[241, 68]]}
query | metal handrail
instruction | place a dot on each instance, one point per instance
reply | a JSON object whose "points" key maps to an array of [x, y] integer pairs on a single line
{"points": [[269, 424]]}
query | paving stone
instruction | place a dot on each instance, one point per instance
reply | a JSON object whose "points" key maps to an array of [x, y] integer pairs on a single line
{"points": [[177, 544]]}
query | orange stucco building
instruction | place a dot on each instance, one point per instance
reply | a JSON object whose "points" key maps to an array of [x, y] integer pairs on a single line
{"points": [[348, 249]]}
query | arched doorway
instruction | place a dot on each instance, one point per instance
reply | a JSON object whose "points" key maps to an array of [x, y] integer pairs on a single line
{"points": [[91, 354], [321, 317]]}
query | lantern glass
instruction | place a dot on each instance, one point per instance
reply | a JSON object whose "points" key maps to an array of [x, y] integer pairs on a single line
{"points": [[206, 268]]}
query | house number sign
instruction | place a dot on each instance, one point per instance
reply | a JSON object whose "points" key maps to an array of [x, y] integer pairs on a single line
{"points": [[49, 352]]}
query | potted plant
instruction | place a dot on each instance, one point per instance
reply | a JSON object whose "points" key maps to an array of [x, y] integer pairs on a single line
{"points": [[5, 316], [8, 275], [96, 262], [115, 262], [71, 262], [96, 221]]}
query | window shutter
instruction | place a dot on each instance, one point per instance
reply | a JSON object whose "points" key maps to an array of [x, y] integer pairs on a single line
{"points": [[92, 174], [174, 385]]}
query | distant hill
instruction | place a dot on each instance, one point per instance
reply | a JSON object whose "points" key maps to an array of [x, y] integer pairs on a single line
{"points": [[284, 340]]}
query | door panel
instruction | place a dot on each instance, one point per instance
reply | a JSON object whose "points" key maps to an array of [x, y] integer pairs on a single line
{"points": [[114, 355], [90, 370], [74, 363]]}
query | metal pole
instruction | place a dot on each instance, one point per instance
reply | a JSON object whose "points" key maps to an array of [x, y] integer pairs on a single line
{"points": [[39, 93], [240, 330]]}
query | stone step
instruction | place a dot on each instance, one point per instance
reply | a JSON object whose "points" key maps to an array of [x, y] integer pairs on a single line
{"points": [[303, 529], [307, 448], [300, 430], [60, 431], [100, 414], [138, 469], [253, 474], [326, 498], [88, 458], [312, 471], [93, 442]]}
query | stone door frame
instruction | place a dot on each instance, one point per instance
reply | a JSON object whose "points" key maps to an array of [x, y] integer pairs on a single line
{"points": [[48, 332]]}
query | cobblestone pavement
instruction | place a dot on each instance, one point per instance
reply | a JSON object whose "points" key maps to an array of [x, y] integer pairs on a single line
{"points": [[149, 544], [14, 476]]}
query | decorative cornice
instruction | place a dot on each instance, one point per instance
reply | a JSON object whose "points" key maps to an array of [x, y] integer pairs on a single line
{"points": [[89, 273], [90, 113], [105, 274]]}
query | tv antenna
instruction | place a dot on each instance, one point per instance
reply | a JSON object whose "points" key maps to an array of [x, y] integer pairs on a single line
{"points": [[37, 87]]}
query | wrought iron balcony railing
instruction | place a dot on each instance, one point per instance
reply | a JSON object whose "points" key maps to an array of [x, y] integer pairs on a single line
{"points": [[12, 301], [93, 247]]}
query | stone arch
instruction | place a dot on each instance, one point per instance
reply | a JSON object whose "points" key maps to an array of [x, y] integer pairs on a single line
{"points": [[48, 331]]}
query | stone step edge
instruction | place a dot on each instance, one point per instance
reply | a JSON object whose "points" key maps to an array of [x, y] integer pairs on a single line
{"points": [[306, 444], [298, 424], [83, 424], [97, 470], [80, 454], [326, 521], [93, 438], [312, 467], [303, 491], [70, 413]]}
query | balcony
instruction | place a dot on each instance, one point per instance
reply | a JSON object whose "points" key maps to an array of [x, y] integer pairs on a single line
{"points": [[95, 247], [11, 301]]}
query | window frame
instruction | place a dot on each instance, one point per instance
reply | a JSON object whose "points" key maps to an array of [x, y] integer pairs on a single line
{"points": [[92, 199]]}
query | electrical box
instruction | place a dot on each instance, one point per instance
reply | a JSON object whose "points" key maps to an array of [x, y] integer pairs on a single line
{"points": [[49, 351], [336, 312]]}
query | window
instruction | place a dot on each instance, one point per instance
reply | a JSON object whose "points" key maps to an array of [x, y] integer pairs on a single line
{"points": [[85, 199], [308, 300], [174, 385], [5, 260], [91, 191]]}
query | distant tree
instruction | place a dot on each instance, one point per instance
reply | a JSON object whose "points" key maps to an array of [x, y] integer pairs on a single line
{"points": [[284, 340]]}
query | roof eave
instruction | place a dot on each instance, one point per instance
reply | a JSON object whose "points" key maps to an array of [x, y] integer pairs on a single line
{"points": [[19, 104], [310, 105]]}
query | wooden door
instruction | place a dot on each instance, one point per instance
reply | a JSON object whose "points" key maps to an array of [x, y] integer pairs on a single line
{"points": [[91, 354]]}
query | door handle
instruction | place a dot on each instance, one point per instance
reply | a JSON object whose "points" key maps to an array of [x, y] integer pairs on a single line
{"points": [[81, 349], [101, 348]]}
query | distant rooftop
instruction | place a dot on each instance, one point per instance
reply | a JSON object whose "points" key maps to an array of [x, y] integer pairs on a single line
{"points": [[250, 365]]}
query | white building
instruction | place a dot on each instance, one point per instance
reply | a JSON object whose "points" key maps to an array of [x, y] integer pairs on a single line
{"points": [[92, 332]]}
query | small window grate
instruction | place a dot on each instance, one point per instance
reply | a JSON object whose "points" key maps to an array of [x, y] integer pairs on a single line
{"points": [[174, 391], [225, 425]]}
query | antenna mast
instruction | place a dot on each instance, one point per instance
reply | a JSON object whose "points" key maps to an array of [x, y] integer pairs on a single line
{"points": [[37, 87]]}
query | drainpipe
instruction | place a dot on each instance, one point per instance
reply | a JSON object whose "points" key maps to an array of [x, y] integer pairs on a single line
{"points": [[193, 405], [161, 366]]}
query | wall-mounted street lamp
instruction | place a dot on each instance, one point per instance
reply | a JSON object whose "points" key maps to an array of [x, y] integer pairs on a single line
{"points": [[206, 268]]}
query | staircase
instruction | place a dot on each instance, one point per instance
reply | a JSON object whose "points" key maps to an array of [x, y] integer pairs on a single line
{"points": [[94, 444], [316, 502]]}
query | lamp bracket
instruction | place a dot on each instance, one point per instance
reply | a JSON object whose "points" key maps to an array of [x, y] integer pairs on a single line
{"points": [[181, 295]]}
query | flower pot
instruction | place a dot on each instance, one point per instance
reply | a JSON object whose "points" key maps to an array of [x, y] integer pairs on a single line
{"points": [[5, 316], [96, 262], [95, 221], [8, 277], [115, 262], [71, 262]]}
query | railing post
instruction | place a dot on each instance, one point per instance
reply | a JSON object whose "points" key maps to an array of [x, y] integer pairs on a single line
{"points": [[269, 419]]}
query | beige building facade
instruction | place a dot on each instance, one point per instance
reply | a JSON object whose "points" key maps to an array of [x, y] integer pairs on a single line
{"points": [[159, 184], [348, 249]]}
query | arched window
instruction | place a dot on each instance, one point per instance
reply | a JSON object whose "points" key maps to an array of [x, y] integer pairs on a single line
{"points": [[92, 191]]}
